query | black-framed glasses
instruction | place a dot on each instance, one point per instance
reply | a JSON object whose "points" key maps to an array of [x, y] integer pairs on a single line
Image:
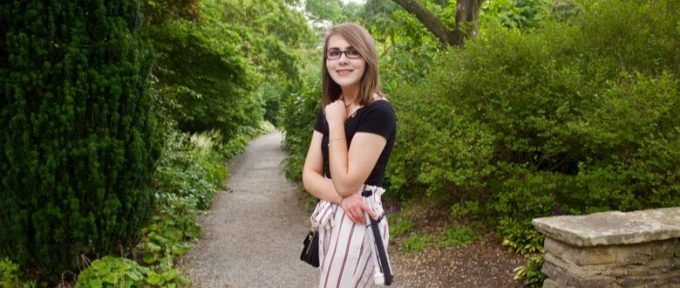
{"points": [[334, 53]]}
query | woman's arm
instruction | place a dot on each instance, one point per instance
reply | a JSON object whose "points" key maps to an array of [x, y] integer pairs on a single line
{"points": [[312, 173], [350, 169], [322, 188]]}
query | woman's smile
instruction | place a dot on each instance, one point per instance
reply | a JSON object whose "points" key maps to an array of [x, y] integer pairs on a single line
{"points": [[344, 72]]}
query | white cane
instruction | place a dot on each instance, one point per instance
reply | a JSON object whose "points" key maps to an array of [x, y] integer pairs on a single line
{"points": [[382, 271]]}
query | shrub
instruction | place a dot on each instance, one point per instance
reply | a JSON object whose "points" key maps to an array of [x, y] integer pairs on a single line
{"points": [[429, 126], [189, 172], [299, 116], [78, 134], [571, 117]]}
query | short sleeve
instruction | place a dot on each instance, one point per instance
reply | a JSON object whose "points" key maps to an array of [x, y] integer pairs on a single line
{"points": [[379, 119], [319, 122]]}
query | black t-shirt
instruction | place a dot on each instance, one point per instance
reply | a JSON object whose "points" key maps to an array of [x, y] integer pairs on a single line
{"points": [[377, 117]]}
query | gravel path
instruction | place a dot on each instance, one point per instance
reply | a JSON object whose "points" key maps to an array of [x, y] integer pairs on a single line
{"points": [[253, 234], [252, 237]]}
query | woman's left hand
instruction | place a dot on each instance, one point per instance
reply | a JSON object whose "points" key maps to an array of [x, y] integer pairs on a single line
{"points": [[336, 112]]}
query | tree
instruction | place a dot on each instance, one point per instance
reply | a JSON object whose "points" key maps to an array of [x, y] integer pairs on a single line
{"points": [[467, 12], [226, 65], [78, 133]]}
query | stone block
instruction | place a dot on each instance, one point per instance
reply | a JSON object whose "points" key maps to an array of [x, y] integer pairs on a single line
{"points": [[580, 256], [612, 249], [613, 227], [574, 277]]}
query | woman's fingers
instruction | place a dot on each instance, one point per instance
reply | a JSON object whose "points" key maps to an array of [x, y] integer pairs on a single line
{"points": [[371, 213], [355, 209]]}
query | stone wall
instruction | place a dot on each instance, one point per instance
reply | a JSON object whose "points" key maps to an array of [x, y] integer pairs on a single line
{"points": [[612, 249]]}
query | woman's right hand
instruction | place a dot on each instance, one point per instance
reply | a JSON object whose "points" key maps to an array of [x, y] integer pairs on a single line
{"points": [[336, 112], [355, 207]]}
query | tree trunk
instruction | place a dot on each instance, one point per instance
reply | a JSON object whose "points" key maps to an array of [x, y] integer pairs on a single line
{"points": [[466, 20], [467, 12]]}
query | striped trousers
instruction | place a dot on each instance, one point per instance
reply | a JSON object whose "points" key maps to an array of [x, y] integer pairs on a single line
{"points": [[345, 254]]}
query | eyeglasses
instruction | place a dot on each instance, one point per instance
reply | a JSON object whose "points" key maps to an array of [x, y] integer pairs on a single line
{"points": [[334, 53]]}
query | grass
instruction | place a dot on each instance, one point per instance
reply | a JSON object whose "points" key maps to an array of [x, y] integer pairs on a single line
{"points": [[457, 236], [416, 243], [399, 225]]}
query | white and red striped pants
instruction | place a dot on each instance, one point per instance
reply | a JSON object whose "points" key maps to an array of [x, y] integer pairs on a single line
{"points": [[345, 254]]}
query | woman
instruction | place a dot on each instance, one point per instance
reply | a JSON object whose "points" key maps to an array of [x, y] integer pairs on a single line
{"points": [[348, 154]]}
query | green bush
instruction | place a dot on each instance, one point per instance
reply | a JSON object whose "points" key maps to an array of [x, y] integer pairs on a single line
{"points": [[78, 135], [429, 126], [189, 172], [299, 116], [574, 116], [186, 179]]}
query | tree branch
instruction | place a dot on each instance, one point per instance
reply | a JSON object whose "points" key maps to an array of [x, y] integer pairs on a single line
{"points": [[429, 20]]}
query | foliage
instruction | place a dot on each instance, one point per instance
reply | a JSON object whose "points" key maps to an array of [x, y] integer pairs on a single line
{"points": [[204, 83], [519, 236], [406, 49], [399, 225], [558, 107], [530, 273], [228, 64], [516, 14], [572, 116], [465, 209], [275, 34], [300, 111], [113, 272], [11, 275], [189, 172], [324, 10], [78, 137], [423, 139], [567, 112], [457, 236], [186, 179], [416, 243]]}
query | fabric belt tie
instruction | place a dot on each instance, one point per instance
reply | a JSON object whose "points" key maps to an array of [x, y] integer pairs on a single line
{"points": [[322, 217]]}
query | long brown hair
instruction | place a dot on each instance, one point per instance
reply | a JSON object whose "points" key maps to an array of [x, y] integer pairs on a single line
{"points": [[362, 41]]}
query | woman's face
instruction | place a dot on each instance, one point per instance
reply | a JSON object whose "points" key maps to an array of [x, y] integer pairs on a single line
{"points": [[345, 65]]}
